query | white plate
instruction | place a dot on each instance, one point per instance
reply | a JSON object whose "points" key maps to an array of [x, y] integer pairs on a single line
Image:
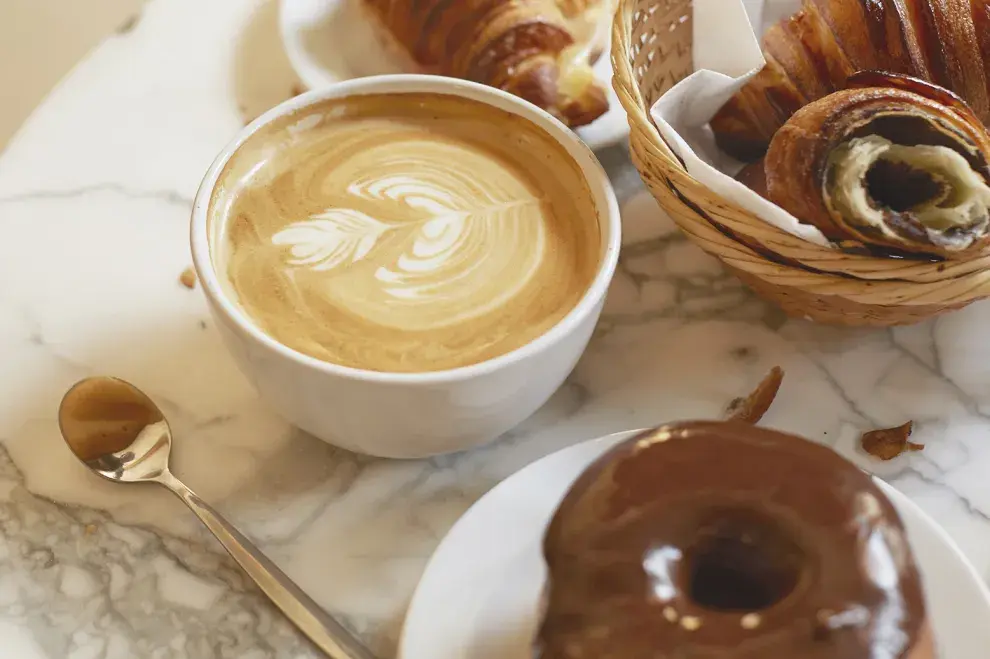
{"points": [[479, 595], [326, 42]]}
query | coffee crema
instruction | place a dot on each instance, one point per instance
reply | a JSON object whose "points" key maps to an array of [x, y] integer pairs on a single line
{"points": [[404, 232]]}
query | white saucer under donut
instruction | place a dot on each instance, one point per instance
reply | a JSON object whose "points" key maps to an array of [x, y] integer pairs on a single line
{"points": [[479, 595]]}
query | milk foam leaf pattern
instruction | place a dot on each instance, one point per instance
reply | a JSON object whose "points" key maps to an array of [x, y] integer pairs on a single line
{"points": [[331, 239], [443, 248], [439, 223]]}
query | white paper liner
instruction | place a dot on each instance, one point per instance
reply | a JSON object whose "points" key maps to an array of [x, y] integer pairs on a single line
{"points": [[726, 55]]}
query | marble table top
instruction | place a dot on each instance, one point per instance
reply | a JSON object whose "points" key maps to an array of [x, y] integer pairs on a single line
{"points": [[95, 194]]}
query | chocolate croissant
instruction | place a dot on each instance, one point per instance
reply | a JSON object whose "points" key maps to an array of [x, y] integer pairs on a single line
{"points": [[892, 162], [540, 50], [812, 53]]}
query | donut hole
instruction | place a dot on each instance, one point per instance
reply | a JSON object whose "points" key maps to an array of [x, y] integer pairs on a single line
{"points": [[742, 562]]}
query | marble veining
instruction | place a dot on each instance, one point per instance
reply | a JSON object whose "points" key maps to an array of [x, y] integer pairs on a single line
{"points": [[76, 584], [94, 204]]}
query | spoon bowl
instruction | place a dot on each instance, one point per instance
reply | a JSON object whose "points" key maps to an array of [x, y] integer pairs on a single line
{"points": [[117, 431]]}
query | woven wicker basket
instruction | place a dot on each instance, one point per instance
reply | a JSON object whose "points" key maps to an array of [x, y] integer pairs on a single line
{"points": [[651, 51]]}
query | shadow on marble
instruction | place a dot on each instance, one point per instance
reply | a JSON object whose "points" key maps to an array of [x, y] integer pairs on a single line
{"points": [[226, 441]]}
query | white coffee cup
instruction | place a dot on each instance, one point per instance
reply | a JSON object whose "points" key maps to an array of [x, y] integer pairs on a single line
{"points": [[410, 415]]}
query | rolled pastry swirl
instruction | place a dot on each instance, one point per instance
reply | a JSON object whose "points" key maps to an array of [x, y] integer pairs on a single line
{"points": [[892, 162], [540, 50], [810, 54]]}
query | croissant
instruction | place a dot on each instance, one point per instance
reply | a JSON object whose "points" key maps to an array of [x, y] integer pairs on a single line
{"points": [[812, 53], [540, 50], [891, 161]]}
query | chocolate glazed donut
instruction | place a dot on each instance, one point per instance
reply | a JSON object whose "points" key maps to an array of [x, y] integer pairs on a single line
{"points": [[719, 540]]}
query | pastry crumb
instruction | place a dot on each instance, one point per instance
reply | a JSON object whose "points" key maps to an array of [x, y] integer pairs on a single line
{"points": [[752, 408], [888, 443], [188, 278]]}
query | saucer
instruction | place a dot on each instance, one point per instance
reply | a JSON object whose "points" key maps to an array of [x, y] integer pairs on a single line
{"points": [[327, 41], [479, 595]]}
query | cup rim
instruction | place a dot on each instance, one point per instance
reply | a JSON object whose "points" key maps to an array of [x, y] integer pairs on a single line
{"points": [[583, 156]]}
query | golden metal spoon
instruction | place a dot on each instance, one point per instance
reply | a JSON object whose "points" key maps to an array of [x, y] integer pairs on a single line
{"points": [[119, 433]]}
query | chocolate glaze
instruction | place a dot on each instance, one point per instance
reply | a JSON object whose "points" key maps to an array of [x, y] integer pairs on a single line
{"points": [[713, 540]]}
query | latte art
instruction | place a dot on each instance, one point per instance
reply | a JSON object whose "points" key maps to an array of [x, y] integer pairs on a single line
{"points": [[443, 250], [405, 233]]}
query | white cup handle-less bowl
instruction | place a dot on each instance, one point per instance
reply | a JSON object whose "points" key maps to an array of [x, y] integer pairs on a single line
{"points": [[410, 415]]}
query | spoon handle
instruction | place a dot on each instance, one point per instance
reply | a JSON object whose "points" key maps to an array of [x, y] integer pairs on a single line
{"points": [[325, 632]]}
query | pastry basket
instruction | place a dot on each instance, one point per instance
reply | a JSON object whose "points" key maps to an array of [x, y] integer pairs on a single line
{"points": [[651, 52]]}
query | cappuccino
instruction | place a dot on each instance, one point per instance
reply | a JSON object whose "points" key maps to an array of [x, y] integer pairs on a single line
{"points": [[405, 232]]}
